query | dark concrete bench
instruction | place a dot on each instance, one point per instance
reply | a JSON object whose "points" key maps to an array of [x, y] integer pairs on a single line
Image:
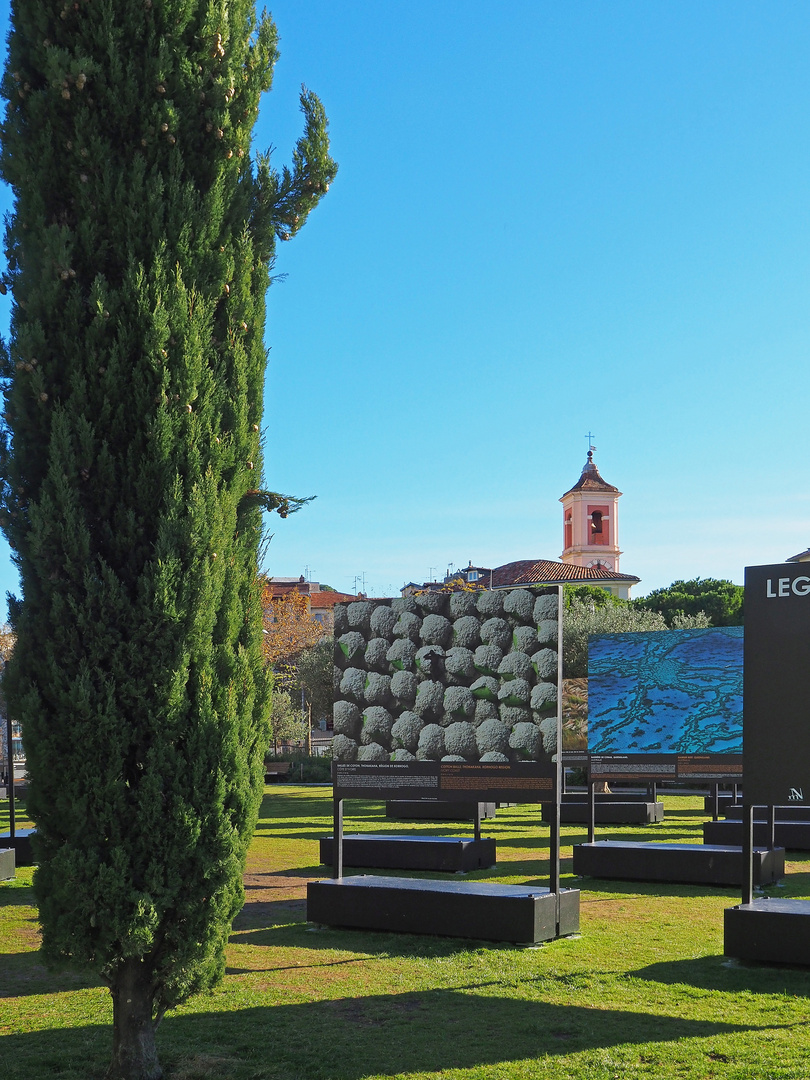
{"points": [[792, 835], [769, 930], [608, 813], [7, 863], [469, 909], [21, 843], [691, 864], [449, 854], [435, 810], [796, 812], [724, 800], [275, 770], [604, 797]]}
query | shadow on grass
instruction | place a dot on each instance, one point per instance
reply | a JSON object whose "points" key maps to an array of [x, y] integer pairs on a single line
{"points": [[371, 1036], [24, 974], [728, 975], [300, 934], [17, 896], [260, 914]]}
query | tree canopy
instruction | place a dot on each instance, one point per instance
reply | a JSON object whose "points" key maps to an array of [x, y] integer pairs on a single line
{"points": [[138, 256], [721, 600]]}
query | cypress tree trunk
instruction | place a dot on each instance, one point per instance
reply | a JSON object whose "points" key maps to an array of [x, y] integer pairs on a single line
{"points": [[134, 1055], [139, 253]]}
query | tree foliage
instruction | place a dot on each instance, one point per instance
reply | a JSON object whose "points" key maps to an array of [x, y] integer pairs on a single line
{"points": [[591, 595], [288, 724], [721, 600], [138, 254], [315, 674], [582, 619], [289, 629]]}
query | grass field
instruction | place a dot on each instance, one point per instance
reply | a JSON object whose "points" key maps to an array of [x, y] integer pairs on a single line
{"points": [[644, 991]]}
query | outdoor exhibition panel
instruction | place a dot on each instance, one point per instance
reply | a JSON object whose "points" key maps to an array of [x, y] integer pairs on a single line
{"points": [[666, 705], [776, 755], [662, 706], [446, 698]]}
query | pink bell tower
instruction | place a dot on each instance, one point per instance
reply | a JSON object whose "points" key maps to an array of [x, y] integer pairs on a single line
{"points": [[590, 520]]}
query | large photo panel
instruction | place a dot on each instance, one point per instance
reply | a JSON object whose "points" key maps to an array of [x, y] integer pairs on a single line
{"points": [[666, 704], [448, 694], [776, 711]]}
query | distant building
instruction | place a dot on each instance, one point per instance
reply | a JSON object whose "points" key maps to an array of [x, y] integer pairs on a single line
{"points": [[320, 600], [590, 547]]}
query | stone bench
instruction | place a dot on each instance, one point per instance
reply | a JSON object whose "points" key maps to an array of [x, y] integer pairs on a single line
{"points": [[7, 863], [21, 844], [608, 813], [436, 810], [796, 812], [275, 770], [449, 854], [792, 835], [689, 864], [769, 930], [489, 911]]}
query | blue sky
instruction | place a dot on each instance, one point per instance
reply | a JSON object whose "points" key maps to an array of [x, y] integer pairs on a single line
{"points": [[549, 219]]}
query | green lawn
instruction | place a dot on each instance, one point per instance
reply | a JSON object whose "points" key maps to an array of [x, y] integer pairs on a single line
{"points": [[645, 991]]}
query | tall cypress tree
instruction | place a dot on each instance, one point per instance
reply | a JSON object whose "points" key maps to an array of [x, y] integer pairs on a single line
{"points": [[139, 254]]}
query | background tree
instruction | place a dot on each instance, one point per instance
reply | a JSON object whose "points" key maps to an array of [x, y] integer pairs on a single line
{"points": [[139, 254], [288, 724], [315, 674], [582, 619], [721, 600], [288, 629], [591, 595]]}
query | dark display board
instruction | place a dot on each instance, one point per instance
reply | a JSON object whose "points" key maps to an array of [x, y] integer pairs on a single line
{"points": [[776, 711], [446, 781]]}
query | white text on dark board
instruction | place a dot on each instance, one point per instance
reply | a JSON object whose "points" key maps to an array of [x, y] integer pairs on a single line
{"points": [[799, 586]]}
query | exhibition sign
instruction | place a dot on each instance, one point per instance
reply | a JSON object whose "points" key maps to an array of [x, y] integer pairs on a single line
{"points": [[448, 696], [446, 781], [666, 705], [776, 721]]}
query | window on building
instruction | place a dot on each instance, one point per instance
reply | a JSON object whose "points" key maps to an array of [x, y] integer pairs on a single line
{"points": [[472, 575]]}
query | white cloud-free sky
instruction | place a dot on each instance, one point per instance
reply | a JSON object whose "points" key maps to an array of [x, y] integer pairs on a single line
{"points": [[550, 219]]}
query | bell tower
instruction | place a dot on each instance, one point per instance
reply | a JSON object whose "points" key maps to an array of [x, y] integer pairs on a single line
{"points": [[590, 520]]}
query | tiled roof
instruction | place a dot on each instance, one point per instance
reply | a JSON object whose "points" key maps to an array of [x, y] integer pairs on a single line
{"points": [[326, 599], [590, 480], [549, 572]]}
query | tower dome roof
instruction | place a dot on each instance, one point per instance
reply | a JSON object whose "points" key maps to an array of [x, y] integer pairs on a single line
{"points": [[590, 480]]}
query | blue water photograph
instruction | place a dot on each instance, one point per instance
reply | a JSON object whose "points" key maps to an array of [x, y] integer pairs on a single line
{"points": [[666, 692]]}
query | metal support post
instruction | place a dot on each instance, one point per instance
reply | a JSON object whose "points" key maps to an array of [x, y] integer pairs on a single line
{"points": [[748, 854], [337, 834]]}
